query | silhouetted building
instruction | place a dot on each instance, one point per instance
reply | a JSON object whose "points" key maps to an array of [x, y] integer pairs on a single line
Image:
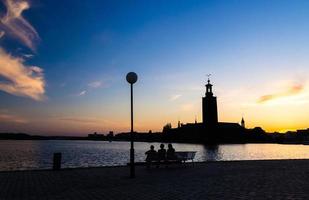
{"points": [[210, 130], [209, 104], [96, 136]]}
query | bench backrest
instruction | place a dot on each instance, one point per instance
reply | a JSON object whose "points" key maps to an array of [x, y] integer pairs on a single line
{"points": [[185, 155]]}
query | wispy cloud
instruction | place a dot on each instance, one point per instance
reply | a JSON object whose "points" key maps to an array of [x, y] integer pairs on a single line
{"points": [[88, 120], [2, 33], [28, 55], [9, 118], [82, 93], [91, 86], [95, 84], [15, 25], [19, 79], [81, 120], [22, 80], [174, 97], [294, 89]]}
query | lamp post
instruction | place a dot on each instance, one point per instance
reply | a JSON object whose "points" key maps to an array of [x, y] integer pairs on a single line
{"points": [[132, 78]]}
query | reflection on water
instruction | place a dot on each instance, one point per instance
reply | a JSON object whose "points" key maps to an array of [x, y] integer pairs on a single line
{"points": [[20, 155], [211, 153]]}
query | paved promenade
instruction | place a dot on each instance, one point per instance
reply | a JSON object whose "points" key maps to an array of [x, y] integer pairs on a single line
{"points": [[281, 179]]}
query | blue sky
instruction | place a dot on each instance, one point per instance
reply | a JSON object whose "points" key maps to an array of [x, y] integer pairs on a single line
{"points": [[85, 48]]}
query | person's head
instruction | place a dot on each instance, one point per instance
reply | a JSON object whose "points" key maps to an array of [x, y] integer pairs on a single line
{"points": [[161, 146], [151, 147], [170, 146]]}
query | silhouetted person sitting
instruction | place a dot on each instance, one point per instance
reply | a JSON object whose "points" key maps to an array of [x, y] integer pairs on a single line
{"points": [[170, 154], [161, 153], [151, 155]]}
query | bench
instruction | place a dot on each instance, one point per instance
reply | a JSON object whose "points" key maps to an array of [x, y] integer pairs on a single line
{"points": [[180, 157], [184, 156]]}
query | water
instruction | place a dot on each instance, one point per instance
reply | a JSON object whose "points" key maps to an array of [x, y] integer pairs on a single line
{"points": [[22, 155]]}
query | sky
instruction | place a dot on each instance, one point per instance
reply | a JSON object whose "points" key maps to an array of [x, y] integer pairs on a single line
{"points": [[63, 64]]}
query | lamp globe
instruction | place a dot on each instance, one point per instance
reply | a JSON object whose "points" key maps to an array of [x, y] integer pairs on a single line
{"points": [[131, 77]]}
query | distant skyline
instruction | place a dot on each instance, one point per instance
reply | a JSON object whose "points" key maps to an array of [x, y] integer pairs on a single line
{"points": [[63, 65]]}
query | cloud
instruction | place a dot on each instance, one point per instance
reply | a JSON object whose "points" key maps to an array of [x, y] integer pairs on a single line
{"points": [[174, 97], [95, 84], [81, 120], [28, 55], [21, 80], [82, 93], [292, 90], [11, 118], [92, 85], [2, 33], [18, 27], [88, 120]]}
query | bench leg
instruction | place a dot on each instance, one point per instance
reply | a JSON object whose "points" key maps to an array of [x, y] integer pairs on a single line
{"points": [[148, 165]]}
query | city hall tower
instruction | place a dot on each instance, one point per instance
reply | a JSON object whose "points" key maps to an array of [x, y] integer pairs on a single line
{"points": [[209, 104]]}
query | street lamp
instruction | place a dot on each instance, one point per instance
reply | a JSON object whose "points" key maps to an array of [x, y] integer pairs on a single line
{"points": [[132, 78]]}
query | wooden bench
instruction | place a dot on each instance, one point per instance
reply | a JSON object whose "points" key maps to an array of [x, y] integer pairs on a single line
{"points": [[181, 157], [184, 156]]}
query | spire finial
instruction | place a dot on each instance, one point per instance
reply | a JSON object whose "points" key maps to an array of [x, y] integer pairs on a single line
{"points": [[208, 75]]}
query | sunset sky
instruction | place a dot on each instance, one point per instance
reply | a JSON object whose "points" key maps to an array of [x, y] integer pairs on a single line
{"points": [[63, 63]]}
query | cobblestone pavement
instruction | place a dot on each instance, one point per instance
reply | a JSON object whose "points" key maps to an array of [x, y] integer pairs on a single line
{"points": [[274, 179]]}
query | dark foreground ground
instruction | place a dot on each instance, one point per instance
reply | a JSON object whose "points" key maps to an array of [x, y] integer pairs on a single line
{"points": [[275, 179]]}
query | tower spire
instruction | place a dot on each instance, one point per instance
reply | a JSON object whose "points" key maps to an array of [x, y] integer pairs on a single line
{"points": [[208, 87], [243, 122]]}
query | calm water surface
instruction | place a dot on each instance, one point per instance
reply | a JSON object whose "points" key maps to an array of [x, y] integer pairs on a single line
{"points": [[21, 155]]}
